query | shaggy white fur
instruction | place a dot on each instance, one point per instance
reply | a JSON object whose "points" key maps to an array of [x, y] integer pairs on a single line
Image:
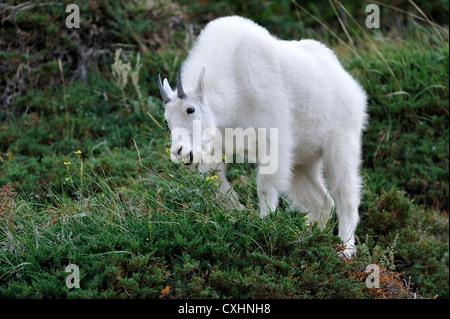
{"points": [[240, 76]]}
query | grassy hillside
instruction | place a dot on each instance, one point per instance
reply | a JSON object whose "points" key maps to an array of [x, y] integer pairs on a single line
{"points": [[85, 178]]}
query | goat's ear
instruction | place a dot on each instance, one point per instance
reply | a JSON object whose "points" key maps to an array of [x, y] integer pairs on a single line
{"points": [[200, 84], [167, 87]]}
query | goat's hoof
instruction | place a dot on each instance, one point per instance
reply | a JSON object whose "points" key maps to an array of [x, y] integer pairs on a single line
{"points": [[348, 253]]}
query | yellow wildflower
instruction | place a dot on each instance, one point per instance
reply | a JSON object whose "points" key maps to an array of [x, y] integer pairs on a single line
{"points": [[212, 178], [307, 224]]}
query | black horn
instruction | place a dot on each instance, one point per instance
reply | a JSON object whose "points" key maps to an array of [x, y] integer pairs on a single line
{"points": [[164, 95], [180, 91]]}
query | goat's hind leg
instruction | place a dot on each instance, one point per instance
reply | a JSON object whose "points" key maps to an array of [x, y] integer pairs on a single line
{"points": [[342, 171]]}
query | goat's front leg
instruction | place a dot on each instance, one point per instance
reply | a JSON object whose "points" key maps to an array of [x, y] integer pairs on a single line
{"points": [[270, 185], [224, 186], [267, 194]]}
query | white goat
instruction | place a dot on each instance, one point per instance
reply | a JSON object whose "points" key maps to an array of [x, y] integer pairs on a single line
{"points": [[239, 76]]}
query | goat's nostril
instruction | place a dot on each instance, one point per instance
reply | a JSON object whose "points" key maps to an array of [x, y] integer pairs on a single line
{"points": [[179, 151]]}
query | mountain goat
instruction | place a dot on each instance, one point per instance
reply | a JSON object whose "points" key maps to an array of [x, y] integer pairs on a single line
{"points": [[238, 75]]}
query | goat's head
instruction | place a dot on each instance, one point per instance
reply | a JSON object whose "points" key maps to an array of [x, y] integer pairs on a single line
{"points": [[184, 111]]}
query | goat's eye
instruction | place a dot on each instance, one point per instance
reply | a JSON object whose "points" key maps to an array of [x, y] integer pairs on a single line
{"points": [[190, 110]]}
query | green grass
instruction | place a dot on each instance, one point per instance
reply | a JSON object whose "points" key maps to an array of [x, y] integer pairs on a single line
{"points": [[139, 226], [131, 242]]}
